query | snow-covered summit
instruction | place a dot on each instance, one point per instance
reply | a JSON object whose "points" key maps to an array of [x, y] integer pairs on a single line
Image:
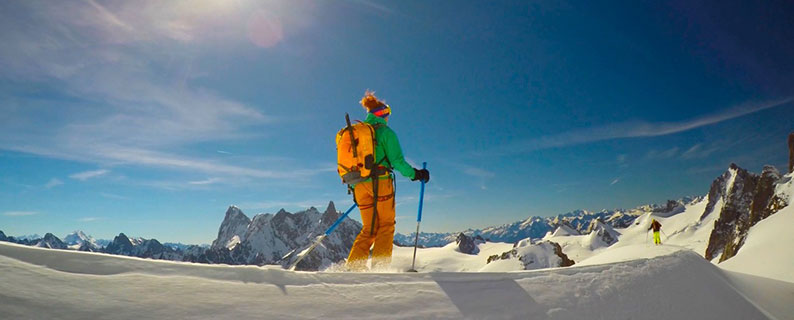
{"points": [[78, 239], [564, 230], [603, 232]]}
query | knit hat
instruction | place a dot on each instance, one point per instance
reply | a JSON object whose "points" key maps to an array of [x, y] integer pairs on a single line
{"points": [[375, 106]]}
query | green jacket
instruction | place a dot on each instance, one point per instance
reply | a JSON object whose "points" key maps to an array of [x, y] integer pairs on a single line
{"points": [[389, 147]]}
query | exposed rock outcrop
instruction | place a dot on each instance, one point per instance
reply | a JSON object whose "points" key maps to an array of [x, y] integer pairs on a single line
{"points": [[791, 152], [121, 244], [545, 254], [745, 199], [467, 244], [234, 223], [603, 231]]}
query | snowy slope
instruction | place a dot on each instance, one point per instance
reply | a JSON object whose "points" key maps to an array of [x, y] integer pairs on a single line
{"points": [[768, 250], [677, 286]]}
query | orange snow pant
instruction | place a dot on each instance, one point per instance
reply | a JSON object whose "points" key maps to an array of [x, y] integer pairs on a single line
{"points": [[383, 234]]}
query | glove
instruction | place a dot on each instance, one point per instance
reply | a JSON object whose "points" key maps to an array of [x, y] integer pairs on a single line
{"points": [[421, 175]]}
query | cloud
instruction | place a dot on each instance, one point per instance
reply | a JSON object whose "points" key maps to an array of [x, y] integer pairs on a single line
{"points": [[19, 213], [373, 5], [121, 75], [477, 172], [614, 181], [205, 182], [54, 182], [638, 129], [665, 154], [90, 219], [698, 151], [85, 175]]}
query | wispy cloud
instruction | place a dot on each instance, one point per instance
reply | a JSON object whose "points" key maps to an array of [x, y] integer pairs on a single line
{"points": [[54, 182], [480, 175], [664, 154], [478, 172], [698, 151], [638, 129], [19, 213], [90, 219], [85, 175], [373, 5], [107, 60], [205, 181], [223, 152]]}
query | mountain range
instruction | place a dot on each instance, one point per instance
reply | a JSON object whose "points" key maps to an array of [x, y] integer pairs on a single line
{"points": [[739, 198]]}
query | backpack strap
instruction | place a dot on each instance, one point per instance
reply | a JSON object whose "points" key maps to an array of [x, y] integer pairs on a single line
{"points": [[375, 181]]}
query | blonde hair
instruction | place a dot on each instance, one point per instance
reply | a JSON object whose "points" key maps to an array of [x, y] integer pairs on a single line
{"points": [[370, 101]]}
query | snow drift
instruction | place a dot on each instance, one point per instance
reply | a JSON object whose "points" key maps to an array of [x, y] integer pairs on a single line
{"points": [[36, 284]]}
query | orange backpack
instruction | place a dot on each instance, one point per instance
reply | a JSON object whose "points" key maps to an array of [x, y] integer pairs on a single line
{"points": [[355, 151]]}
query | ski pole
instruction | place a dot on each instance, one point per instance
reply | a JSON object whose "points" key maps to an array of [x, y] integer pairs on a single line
{"points": [[418, 219], [322, 237]]}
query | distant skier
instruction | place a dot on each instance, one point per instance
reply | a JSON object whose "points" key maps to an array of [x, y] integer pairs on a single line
{"points": [[656, 226], [378, 225]]}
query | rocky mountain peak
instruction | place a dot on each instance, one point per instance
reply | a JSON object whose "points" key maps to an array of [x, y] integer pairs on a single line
{"points": [[235, 223], [746, 199], [331, 207], [330, 215], [51, 241], [234, 213], [76, 238], [603, 231], [730, 186], [120, 244]]}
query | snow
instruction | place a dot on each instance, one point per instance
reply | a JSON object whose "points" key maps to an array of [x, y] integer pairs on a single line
{"points": [[233, 242], [631, 279], [564, 230], [680, 285], [577, 247], [448, 258], [768, 244]]}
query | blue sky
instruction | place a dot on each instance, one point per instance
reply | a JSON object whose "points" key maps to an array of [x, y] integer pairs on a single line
{"points": [[151, 117]]}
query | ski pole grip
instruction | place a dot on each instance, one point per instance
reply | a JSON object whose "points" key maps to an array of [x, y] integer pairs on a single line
{"points": [[421, 196]]}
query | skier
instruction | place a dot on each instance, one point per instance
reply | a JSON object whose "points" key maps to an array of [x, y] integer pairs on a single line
{"points": [[378, 228], [656, 226]]}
